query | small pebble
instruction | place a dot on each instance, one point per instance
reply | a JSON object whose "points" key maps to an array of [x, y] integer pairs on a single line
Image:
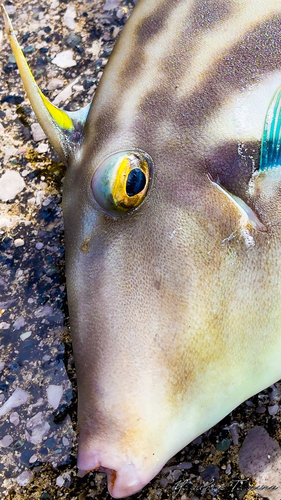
{"points": [[6, 441], [18, 398], [33, 459], [39, 428], [234, 431], [111, 4], [228, 469], [163, 482], [42, 148], [15, 418], [55, 83], [175, 475], [19, 273], [2, 364], [54, 395], [10, 151], [120, 13], [69, 17], [31, 201], [4, 325], [60, 481], [197, 441], [43, 311], [39, 245], [223, 445], [211, 473], [11, 184], [272, 410], [260, 410], [38, 133], [25, 335], [19, 323], [19, 242], [24, 478], [64, 59], [73, 40]]}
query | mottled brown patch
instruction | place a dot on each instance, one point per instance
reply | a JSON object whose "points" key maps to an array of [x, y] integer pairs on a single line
{"points": [[154, 23], [205, 15], [256, 54], [149, 27]]}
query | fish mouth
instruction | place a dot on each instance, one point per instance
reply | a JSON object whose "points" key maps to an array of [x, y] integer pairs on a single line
{"points": [[124, 477]]}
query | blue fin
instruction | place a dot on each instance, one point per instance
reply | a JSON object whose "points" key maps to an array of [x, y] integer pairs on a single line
{"points": [[63, 128], [271, 139]]}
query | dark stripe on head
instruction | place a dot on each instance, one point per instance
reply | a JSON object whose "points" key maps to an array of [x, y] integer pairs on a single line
{"points": [[205, 15], [156, 22]]}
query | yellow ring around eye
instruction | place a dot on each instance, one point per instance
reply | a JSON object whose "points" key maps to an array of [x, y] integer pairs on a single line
{"points": [[122, 180], [119, 193]]}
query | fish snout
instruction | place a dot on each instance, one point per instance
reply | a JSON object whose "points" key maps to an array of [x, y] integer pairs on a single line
{"points": [[125, 475]]}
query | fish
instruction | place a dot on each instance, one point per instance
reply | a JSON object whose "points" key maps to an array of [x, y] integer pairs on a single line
{"points": [[172, 213]]}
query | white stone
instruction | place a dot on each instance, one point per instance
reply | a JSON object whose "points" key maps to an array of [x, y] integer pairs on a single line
{"points": [[19, 242], [39, 428], [11, 9], [60, 481], [69, 17], [42, 148], [15, 418], [10, 151], [18, 398], [55, 83], [19, 323], [43, 311], [39, 245], [38, 133], [54, 4], [6, 441], [64, 59], [54, 395], [11, 184], [4, 325], [96, 48], [65, 441], [2, 364], [25, 335], [111, 4], [24, 478]]}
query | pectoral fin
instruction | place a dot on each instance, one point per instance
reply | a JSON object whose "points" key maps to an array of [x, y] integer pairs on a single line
{"points": [[64, 129], [247, 214], [271, 139]]}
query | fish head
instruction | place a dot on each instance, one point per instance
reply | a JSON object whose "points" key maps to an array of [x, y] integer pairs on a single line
{"points": [[168, 323], [162, 296]]}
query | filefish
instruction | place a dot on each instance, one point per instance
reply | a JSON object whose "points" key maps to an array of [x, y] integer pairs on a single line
{"points": [[172, 215]]}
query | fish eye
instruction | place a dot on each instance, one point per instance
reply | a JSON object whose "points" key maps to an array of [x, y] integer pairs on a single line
{"points": [[122, 180]]}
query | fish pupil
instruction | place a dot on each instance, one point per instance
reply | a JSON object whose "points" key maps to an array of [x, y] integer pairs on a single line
{"points": [[135, 182]]}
